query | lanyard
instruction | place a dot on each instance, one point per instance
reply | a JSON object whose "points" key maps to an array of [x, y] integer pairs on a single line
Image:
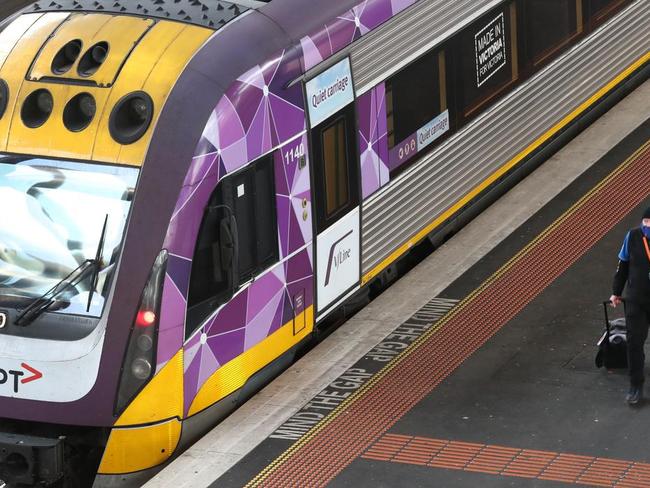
{"points": [[647, 249]]}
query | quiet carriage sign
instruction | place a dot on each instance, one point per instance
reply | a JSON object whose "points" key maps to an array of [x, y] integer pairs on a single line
{"points": [[329, 92]]}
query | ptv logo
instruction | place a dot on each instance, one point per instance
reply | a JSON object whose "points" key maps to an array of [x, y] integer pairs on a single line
{"points": [[15, 377]]}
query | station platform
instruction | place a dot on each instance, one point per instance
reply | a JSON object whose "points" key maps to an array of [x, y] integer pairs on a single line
{"points": [[479, 373]]}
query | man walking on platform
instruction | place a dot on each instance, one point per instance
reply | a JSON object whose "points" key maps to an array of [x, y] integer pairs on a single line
{"points": [[633, 274]]}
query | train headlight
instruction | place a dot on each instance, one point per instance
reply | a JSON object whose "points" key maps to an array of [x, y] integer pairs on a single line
{"points": [[131, 117], [145, 343], [79, 112], [93, 59], [141, 369], [37, 108], [66, 57], [140, 358], [4, 97]]}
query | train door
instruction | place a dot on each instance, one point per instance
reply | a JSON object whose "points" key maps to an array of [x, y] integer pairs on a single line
{"points": [[330, 97]]}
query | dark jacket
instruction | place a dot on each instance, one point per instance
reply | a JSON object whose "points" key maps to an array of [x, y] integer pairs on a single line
{"points": [[633, 274]]}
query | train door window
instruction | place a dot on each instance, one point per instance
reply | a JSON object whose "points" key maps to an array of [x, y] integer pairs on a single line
{"points": [[598, 11], [249, 197], [487, 59], [337, 183], [337, 191], [549, 26], [415, 97]]}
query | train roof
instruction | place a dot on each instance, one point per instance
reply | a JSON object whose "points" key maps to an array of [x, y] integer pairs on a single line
{"points": [[290, 15], [212, 14]]}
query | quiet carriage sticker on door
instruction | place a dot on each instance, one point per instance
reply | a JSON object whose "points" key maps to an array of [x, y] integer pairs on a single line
{"points": [[329, 92]]}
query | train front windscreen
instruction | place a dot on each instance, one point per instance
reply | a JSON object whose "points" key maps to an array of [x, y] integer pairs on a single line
{"points": [[61, 227]]}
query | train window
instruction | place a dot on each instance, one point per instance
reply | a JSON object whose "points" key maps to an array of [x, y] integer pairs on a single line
{"points": [[487, 53], [249, 196], [416, 107], [548, 26], [597, 11], [413, 98], [337, 188]]}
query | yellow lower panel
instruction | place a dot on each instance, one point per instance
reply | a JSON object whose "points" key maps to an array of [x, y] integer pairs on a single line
{"points": [[161, 399], [138, 448], [233, 375]]}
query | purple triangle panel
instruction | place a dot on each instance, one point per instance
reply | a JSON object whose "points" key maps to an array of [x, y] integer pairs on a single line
{"points": [[179, 270], [229, 127], [204, 147], [320, 40], [258, 139], [366, 115], [288, 71], [232, 316], [282, 185], [258, 327], [191, 379], [172, 322], [185, 225], [299, 267], [271, 70], [288, 119], [228, 346], [399, 5], [246, 98], [343, 31], [296, 239], [261, 292], [311, 53], [284, 216], [374, 13], [283, 315]]}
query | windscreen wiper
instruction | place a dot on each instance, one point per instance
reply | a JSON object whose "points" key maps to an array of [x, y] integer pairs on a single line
{"points": [[98, 260], [45, 301], [42, 303]]}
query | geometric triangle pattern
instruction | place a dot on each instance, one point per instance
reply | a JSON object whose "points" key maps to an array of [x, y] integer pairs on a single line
{"points": [[293, 192], [247, 319], [256, 115], [259, 114], [373, 140]]}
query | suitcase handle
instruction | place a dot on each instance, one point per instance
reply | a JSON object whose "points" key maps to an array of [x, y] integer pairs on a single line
{"points": [[605, 303]]}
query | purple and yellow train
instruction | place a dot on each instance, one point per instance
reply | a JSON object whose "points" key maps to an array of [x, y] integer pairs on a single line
{"points": [[189, 187]]}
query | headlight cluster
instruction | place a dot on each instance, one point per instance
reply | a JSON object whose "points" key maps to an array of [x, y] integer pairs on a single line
{"points": [[140, 359], [130, 118]]}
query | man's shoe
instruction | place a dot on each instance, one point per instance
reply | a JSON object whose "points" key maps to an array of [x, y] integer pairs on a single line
{"points": [[634, 396]]}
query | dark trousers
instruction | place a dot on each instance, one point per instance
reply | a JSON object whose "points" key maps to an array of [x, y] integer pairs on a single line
{"points": [[637, 319]]}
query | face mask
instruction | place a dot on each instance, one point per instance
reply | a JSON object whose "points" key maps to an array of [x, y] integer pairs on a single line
{"points": [[646, 230]]}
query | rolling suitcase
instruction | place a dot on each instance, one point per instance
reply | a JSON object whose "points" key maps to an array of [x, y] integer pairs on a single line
{"points": [[612, 346]]}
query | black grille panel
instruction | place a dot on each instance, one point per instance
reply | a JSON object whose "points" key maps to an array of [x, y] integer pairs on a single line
{"points": [[207, 13]]}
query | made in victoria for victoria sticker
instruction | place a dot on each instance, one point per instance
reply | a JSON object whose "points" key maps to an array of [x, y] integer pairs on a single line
{"points": [[490, 46]]}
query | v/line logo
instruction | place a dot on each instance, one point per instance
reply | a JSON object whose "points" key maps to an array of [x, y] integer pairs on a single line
{"points": [[337, 257]]}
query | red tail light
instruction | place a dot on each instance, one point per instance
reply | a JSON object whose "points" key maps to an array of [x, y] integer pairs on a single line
{"points": [[145, 318]]}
